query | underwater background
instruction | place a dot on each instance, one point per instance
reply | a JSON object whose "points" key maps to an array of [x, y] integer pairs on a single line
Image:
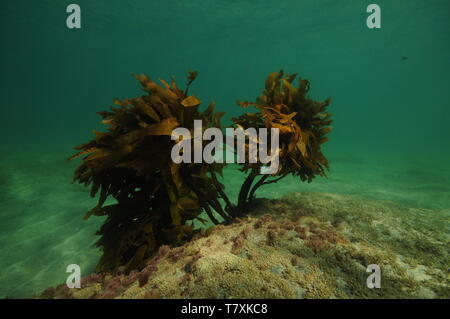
{"points": [[389, 87]]}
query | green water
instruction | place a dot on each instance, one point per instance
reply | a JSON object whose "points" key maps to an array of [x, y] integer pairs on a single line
{"points": [[391, 114]]}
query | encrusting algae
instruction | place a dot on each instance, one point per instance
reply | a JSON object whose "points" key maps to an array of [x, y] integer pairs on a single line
{"points": [[305, 245]]}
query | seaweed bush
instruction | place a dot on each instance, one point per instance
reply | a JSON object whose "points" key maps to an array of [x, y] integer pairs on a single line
{"points": [[156, 200], [303, 125]]}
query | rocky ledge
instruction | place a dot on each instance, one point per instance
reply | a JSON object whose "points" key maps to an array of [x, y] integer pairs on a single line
{"points": [[305, 245]]}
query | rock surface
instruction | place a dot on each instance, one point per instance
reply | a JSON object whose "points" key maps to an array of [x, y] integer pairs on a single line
{"points": [[305, 245]]}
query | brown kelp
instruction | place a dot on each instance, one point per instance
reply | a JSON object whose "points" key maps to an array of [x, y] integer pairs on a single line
{"points": [[157, 199], [131, 162], [303, 125]]}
